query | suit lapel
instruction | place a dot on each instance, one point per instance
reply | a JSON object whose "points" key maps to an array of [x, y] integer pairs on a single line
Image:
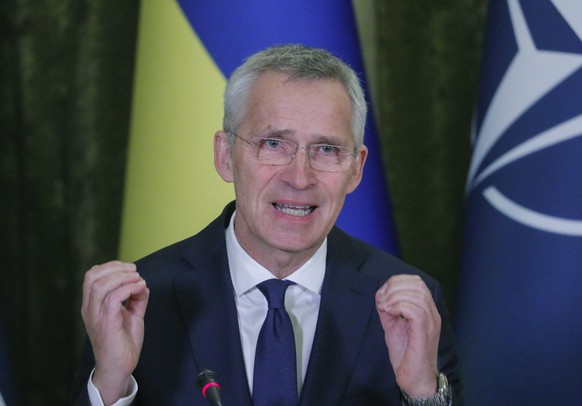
{"points": [[347, 304], [206, 301]]}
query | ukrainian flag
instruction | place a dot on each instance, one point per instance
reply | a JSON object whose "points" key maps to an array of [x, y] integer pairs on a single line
{"points": [[186, 50]]}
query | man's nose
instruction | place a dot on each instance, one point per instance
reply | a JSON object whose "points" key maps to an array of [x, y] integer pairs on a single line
{"points": [[299, 172], [302, 154]]}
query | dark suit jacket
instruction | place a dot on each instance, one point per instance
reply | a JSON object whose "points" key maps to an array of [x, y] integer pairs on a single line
{"points": [[191, 324]]}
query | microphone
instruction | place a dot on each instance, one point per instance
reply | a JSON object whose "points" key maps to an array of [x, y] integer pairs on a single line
{"points": [[209, 386]]}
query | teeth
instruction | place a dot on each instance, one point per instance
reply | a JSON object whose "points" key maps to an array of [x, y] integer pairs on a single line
{"points": [[298, 211]]}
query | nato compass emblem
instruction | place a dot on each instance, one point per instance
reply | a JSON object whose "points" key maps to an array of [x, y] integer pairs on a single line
{"points": [[527, 156]]}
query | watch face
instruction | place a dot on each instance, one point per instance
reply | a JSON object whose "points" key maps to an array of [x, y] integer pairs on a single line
{"points": [[444, 387], [441, 398]]}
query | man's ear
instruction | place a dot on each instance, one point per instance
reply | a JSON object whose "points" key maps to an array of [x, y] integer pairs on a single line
{"points": [[358, 168], [222, 158]]}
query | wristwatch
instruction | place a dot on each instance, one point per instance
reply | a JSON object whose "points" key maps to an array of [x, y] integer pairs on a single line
{"points": [[441, 398]]}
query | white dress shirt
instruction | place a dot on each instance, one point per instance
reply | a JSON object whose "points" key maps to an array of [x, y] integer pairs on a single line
{"points": [[301, 301]]}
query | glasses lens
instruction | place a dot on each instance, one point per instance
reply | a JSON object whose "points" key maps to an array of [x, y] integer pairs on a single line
{"points": [[274, 151], [327, 157]]}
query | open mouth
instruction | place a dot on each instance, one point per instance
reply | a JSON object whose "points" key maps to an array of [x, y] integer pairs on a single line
{"points": [[298, 211]]}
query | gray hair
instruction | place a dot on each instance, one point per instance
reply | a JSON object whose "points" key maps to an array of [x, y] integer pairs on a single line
{"points": [[298, 62]]}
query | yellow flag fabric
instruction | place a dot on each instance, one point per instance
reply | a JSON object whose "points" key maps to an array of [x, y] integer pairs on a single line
{"points": [[172, 189]]}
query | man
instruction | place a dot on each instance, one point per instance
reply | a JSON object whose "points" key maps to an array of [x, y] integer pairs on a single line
{"points": [[367, 327]]}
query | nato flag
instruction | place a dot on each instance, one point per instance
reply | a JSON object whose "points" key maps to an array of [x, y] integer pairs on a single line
{"points": [[519, 322]]}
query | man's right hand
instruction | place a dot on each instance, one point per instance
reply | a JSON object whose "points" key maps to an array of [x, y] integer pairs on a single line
{"points": [[115, 298]]}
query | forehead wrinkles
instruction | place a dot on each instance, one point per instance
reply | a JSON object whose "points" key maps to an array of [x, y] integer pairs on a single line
{"points": [[280, 107]]}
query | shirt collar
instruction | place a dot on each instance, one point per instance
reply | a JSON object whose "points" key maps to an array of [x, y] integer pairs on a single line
{"points": [[246, 273]]}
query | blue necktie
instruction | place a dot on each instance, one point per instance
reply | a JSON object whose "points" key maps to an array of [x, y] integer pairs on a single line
{"points": [[275, 374]]}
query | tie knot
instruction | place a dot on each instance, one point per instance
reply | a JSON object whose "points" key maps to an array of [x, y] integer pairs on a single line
{"points": [[274, 290]]}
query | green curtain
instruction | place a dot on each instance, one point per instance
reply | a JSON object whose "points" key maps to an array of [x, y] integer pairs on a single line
{"points": [[427, 70], [65, 102], [67, 68]]}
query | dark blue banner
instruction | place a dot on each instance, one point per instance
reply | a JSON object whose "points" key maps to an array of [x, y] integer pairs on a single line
{"points": [[519, 324], [232, 30]]}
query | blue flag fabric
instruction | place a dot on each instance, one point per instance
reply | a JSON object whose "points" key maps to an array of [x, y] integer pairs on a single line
{"points": [[518, 319], [232, 30]]}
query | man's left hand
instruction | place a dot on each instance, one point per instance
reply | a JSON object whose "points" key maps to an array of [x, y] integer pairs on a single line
{"points": [[412, 326]]}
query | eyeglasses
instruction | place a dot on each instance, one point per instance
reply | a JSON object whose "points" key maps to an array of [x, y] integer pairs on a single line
{"points": [[322, 157]]}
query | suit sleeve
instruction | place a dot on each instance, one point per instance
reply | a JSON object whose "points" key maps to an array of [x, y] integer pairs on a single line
{"points": [[79, 395], [448, 360]]}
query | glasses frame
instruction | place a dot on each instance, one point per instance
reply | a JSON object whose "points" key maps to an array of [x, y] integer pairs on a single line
{"points": [[255, 144]]}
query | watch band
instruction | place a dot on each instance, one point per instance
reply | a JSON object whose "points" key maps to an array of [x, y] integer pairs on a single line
{"points": [[441, 398]]}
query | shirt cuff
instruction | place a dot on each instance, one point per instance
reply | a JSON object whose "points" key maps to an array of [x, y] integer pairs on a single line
{"points": [[95, 396]]}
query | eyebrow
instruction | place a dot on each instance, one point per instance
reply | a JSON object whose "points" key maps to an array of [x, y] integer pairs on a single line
{"points": [[321, 139], [271, 133]]}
